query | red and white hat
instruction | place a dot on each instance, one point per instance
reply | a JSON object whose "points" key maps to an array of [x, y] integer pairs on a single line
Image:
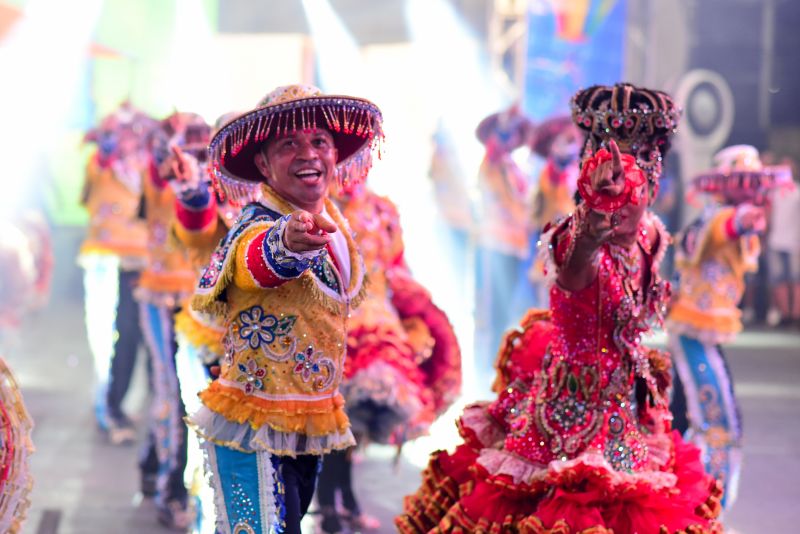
{"points": [[354, 123], [738, 168]]}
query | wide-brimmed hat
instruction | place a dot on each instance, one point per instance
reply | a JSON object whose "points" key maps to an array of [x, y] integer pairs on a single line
{"points": [[125, 118], [354, 123], [508, 129], [545, 134], [640, 120], [739, 168]]}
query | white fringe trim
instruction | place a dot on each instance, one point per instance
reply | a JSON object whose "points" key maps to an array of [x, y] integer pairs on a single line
{"points": [[213, 427]]}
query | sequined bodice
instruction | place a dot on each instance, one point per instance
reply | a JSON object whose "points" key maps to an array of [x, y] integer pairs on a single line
{"points": [[603, 323], [583, 400]]}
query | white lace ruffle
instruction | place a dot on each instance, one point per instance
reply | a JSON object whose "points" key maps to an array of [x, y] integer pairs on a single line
{"points": [[476, 417], [522, 471], [703, 335], [213, 427], [382, 385]]}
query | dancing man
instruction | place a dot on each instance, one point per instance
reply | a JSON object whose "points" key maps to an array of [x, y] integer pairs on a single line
{"points": [[714, 253], [284, 280]]}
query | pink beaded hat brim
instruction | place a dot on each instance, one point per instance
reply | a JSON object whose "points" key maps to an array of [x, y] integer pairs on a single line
{"points": [[718, 182]]}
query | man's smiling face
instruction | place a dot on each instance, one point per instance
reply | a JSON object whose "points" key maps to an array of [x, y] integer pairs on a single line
{"points": [[300, 166]]}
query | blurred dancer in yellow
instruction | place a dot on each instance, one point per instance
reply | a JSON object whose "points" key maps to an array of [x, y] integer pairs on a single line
{"points": [[503, 229], [165, 283], [713, 254], [112, 256]]}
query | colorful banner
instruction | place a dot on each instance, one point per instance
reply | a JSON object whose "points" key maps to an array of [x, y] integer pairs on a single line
{"points": [[571, 44]]}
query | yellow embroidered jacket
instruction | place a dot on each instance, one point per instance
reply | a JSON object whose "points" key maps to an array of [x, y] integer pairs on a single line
{"points": [[168, 278], [286, 318], [112, 195], [712, 258]]}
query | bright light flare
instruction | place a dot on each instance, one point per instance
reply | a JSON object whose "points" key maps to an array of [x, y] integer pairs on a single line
{"points": [[42, 60], [339, 60], [191, 62]]}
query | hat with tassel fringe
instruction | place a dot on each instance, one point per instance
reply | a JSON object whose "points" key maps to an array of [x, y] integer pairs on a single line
{"points": [[354, 123]]}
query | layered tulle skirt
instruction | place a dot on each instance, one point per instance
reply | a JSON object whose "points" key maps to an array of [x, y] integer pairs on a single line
{"points": [[483, 488]]}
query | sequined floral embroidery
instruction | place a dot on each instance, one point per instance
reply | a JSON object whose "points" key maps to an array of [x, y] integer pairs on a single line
{"points": [[259, 328], [313, 364], [251, 375], [625, 451], [256, 329]]}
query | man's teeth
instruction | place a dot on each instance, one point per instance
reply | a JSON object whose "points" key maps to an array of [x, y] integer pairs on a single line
{"points": [[308, 173]]}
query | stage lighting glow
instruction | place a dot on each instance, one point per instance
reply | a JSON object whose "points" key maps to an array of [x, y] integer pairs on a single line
{"points": [[455, 67], [43, 61], [339, 61], [191, 60]]}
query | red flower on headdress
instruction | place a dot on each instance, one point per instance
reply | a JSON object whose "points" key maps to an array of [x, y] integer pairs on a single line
{"points": [[632, 191]]}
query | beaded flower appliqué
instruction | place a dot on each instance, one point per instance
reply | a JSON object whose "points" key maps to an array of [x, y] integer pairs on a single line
{"points": [[252, 376], [313, 364], [257, 329]]}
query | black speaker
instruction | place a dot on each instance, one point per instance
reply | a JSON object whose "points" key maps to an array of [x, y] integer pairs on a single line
{"points": [[727, 39]]}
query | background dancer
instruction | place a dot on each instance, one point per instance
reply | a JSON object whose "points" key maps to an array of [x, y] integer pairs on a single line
{"points": [[713, 255], [112, 256]]}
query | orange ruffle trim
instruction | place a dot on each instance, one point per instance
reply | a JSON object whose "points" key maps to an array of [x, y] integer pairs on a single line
{"points": [[197, 333], [312, 418], [101, 247]]}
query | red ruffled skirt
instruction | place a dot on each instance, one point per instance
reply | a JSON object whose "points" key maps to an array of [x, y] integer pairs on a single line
{"points": [[493, 491]]}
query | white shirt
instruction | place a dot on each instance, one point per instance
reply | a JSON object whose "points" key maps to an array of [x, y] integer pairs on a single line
{"points": [[785, 221], [340, 252]]}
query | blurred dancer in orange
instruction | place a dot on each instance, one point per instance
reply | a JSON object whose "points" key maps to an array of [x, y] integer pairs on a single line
{"points": [[166, 282], [503, 229]]}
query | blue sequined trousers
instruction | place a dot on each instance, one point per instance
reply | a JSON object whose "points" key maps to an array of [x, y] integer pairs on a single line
{"points": [[168, 432], [711, 410], [258, 492]]}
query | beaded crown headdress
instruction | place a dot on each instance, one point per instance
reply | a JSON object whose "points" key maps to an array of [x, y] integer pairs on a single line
{"points": [[354, 123], [640, 120]]}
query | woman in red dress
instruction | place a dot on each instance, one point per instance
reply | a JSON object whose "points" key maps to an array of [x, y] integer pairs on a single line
{"points": [[578, 440]]}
